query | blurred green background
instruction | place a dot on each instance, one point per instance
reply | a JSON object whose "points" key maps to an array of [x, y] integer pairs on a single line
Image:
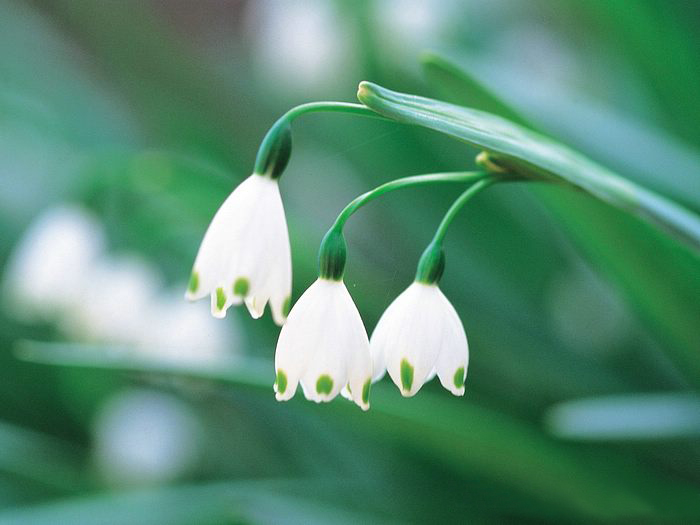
{"points": [[124, 125]]}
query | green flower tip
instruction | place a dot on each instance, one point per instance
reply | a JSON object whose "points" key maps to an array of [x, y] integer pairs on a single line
{"points": [[286, 306], [281, 382], [220, 299], [193, 285], [459, 377], [241, 286], [324, 384], [406, 376]]}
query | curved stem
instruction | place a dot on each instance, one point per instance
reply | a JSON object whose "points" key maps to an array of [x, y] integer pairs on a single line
{"points": [[432, 262], [337, 107], [457, 205], [332, 252], [405, 182], [282, 124]]}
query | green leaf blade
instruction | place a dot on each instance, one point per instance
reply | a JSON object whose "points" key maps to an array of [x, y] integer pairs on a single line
{"points": [[532, 155]]}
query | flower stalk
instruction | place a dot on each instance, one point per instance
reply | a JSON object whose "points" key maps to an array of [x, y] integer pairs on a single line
{"points": [[275, 148]]}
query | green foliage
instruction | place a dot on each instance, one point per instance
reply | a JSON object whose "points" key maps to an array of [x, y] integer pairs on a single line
{"points": [[576, 310]]}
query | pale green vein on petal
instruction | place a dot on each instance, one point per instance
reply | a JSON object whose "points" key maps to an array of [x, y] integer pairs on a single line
{"points": [[220, 299], [406, 375], [459, 377], [365, 391]]}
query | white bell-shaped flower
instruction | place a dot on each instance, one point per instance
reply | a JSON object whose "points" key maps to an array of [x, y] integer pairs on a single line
{"points": [[324, 346], [420, 335], [245, 253]]}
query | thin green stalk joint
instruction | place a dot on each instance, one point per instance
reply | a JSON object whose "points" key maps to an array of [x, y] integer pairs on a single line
{"points": [[431, 264], [332, 255]]}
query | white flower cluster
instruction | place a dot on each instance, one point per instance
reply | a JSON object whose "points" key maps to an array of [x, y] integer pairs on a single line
{"points": [[245, 257], [60, 272]]}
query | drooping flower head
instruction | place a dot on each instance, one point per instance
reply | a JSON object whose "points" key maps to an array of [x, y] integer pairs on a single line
{"points": [[323, 345], [245, 253], [420, 335]]}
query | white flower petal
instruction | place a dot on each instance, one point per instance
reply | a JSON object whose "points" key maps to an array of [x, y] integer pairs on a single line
{"points": [[418, 336], [229, 223], [294, 349], [279, 306], [245, 254], [324, 345], [453, 360], [256, 306], [378, 346], [407, 331], [359, 364]]}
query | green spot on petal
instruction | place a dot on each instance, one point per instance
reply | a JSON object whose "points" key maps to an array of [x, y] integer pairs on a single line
{"points": [[220, 299], [281, 381], [241, 286], [406, 375], [193, 285], [286, 306], [459, 377], [365, 391], [324, 385]]}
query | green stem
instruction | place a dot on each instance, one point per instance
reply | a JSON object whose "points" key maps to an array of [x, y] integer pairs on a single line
{"points": [[274, 150], [457, 205], [432, 261], [332, 253], [405, 182]]}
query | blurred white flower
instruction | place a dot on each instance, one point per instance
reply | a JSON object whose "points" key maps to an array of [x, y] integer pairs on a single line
{"points": [[142, 436], [46, 273], [420, 335], [116, 294], [305, 44], [60, 272], [324, 346], [184, 333], [407, 27], [245, 253]]}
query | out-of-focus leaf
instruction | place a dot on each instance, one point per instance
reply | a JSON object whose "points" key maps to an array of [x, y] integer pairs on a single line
{"points": [[463, 89], [628, 417], [225, 502], [463, 436], [626, 143], [240, 370], [594, 485], [39, 458], [655, 38], [660, 279], [519, 150]]}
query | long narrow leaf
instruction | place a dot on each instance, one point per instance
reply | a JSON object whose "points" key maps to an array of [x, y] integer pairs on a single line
{"points": [[530, 154]]}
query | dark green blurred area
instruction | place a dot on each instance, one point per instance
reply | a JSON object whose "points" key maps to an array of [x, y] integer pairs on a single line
{"points": [[149, 113]]}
